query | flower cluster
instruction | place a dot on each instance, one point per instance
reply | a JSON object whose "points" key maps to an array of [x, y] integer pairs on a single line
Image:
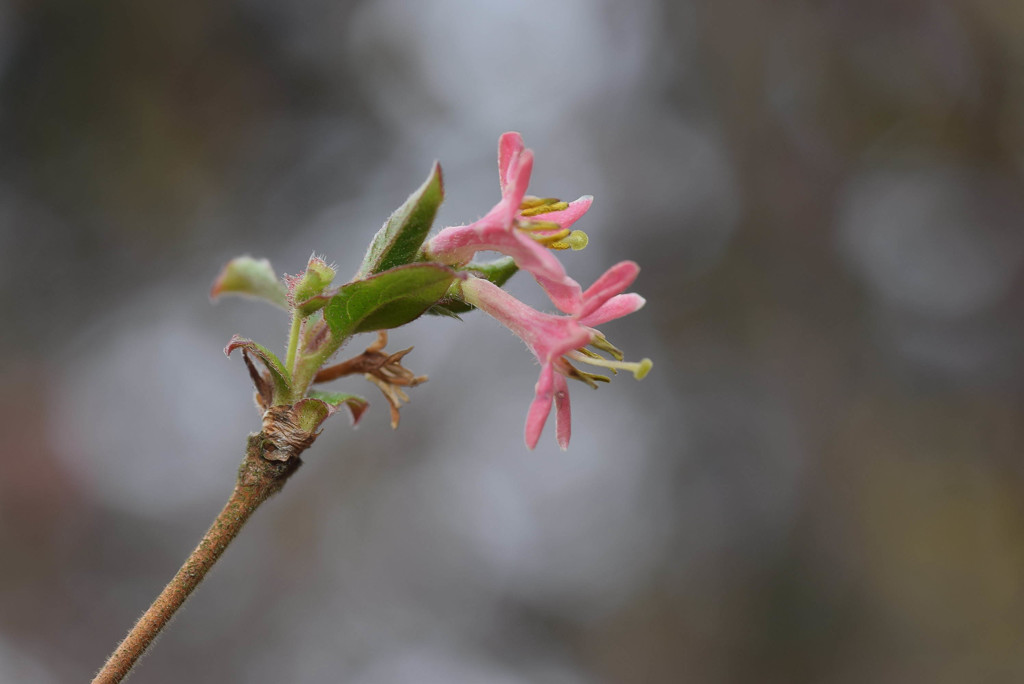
{"points": [[527, 228], [404, 275]]}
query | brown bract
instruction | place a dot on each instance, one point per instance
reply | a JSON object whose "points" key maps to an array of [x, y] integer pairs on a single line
{"points": [[282, 429]]}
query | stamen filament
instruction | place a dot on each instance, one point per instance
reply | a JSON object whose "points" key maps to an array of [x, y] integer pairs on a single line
{"points": [[590, 379], [638, 368], [601, 342]]}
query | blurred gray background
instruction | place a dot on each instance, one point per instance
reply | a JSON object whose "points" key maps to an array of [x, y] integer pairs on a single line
{"points": [[820, 481]]}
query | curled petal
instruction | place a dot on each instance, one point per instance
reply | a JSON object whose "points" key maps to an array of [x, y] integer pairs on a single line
{"points": [[567, 295], [616, 307], [612, 282], [570, 215]]}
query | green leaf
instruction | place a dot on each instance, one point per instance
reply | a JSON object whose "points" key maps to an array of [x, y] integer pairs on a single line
{"points": [[355, 404], [400, 238], [250, 277], [278, 373], [386, 300], [497, 271], [311, 305]]}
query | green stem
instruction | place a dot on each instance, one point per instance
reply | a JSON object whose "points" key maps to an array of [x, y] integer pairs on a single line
{"points": [[293, 342], [307, 370], [258, 479]]}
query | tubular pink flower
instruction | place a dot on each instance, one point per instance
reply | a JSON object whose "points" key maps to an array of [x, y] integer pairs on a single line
{"points": [[555, 339], [518, 226]]}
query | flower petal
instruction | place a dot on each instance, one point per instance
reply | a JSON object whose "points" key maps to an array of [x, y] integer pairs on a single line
{"points": [[529, 255], [516, 183], [565, 293], [563, 416], [540, 407], [616, 307], [612, 282], [568, 216], [510, 145]]}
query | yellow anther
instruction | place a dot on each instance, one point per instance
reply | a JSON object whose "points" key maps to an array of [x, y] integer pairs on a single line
{"points": [[531, 202], [553, 238], [538, 226], [593, 378], [544, 208]]}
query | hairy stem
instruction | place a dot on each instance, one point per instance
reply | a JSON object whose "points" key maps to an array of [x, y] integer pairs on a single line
{"points": [[259, 478], [293, 342]]}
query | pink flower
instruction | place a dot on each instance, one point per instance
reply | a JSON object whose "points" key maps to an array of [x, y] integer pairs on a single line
{"points": [[555, 340], [519, 226]]}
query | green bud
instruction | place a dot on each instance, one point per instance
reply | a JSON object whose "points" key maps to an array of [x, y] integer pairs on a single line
{"points": [[313, 281]]}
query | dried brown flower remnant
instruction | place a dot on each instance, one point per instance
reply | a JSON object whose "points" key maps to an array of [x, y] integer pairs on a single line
{"points": [[383, 370]]}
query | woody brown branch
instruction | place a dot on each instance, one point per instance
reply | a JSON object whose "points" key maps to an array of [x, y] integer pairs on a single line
{"points": [[260, 476]]}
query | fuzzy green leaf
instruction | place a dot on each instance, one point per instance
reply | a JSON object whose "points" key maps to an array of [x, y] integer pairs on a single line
{"points": [[250, 277], [386, 300], [311, 305], [400, 238]]}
